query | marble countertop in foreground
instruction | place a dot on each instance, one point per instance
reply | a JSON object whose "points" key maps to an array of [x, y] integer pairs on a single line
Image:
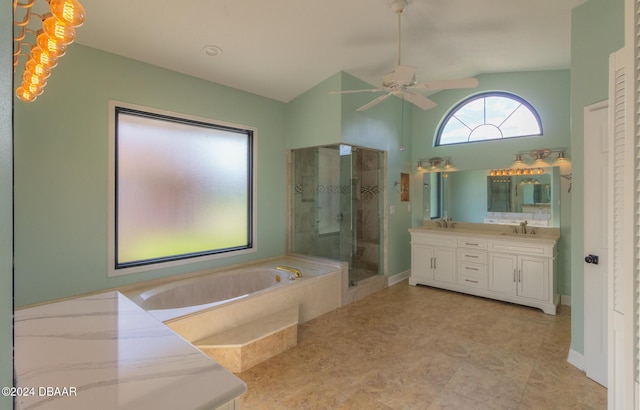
{"points": [[105, 352]]}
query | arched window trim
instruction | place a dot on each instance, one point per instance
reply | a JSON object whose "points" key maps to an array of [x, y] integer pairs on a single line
{"points": [[478, 96]]}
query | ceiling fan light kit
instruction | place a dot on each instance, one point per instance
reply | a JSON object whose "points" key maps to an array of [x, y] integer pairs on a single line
{"points": [[402, 80]]}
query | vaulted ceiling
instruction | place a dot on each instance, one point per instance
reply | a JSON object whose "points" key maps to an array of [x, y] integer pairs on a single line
{"points": [[281, 48]]}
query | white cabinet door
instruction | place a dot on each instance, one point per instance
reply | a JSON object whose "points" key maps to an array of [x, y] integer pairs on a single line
{"points": [[502, 273], [421, 264], [444, 265], [533, 274], [520, 275]]}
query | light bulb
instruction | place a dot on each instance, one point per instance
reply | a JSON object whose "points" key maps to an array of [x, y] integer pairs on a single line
{"points": [[30, 78], [25, 95], [51, 44], [69, 11], [59, 29], [44, 57], [34, 88], [38, 69]]}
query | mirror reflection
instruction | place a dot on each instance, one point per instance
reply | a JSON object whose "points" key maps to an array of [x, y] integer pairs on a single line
{"points": [[476, 196]]}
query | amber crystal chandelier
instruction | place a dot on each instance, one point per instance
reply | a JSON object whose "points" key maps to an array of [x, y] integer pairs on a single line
{"points": [[42, 40]]}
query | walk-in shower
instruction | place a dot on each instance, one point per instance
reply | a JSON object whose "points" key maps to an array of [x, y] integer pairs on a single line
{"points": [[337, 204]]}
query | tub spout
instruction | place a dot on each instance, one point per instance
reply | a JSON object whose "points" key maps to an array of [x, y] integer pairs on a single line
{"points": [[293, 271]]}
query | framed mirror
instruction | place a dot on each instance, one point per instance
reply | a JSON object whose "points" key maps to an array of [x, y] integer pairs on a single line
{"points": [[477, 196]]}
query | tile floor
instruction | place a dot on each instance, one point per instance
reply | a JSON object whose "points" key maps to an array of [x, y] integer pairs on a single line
{"points": [[411, 347]]}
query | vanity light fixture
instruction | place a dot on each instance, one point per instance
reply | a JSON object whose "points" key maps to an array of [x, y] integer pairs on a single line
{"points": [[518, 162], [434, 164], [561, 157], [45, 44], [516, 171]]}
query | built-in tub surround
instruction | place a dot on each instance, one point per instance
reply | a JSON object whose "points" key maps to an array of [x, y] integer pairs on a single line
{"points": [[316, 292], [105, 352], [186, 296], [510, 263]]}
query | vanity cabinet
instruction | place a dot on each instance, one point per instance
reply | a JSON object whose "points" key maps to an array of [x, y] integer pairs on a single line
{"points": [[434, 260], [518, 269], [519, 276]]}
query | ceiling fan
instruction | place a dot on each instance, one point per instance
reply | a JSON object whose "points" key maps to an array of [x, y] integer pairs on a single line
{"points": [[402, 80]]}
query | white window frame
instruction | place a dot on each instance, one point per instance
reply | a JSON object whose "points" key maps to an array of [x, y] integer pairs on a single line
{"points": [[485, 94]]}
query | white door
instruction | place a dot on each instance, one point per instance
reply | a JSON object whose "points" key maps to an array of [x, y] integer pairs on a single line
{"points": [[596, 147]]}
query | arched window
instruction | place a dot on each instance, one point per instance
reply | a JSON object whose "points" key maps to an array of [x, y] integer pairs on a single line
{"points": [[489, 116]]}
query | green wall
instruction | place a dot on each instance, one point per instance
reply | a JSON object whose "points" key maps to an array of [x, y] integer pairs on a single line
{"points": [[6, 199], [313, 118], [597, 30], [61, 170], [549, 93]]}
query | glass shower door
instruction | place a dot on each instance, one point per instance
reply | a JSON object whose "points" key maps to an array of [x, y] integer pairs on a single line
{"points": [[349, 186], [336, 207]]}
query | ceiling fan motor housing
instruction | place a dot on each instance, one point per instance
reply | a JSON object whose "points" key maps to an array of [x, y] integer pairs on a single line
{"points": [[398, 6]]}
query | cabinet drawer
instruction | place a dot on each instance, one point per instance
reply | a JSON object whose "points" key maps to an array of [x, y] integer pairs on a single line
{"points": [[472, 243], [473, 256], [472, 269], [527, 249], [473, 281]]}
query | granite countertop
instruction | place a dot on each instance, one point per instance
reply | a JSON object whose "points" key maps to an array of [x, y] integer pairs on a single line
{"points": [[490, 231], [105, 352]]}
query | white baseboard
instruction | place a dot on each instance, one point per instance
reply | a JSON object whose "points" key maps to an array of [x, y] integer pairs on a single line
{"points": [[576, 359], [565, 300], [398, 277]]}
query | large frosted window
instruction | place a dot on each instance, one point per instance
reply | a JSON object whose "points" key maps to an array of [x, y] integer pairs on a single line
{"points": [[183, 188], [489, 116]]}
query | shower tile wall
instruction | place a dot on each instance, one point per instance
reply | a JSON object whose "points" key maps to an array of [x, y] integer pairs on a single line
{"points": [[368, 236]]}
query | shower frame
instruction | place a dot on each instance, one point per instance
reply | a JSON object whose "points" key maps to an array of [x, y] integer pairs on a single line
{"points": [[356, 246]]}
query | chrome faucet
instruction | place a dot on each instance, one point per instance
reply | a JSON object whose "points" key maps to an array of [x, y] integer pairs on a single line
{"points": [[295, 273], [445, 222], [523, 227]]}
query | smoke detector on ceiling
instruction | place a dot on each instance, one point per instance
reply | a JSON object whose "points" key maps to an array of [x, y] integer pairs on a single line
{"points": [[212, 51]]}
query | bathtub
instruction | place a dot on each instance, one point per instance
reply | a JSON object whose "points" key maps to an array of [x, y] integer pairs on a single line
{"points": [[212, 302], [182, 297]]}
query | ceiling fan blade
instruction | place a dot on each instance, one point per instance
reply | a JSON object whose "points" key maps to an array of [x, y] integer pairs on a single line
{"points": [[419, 100], [371, 90], [374, 102], [446, 84]]}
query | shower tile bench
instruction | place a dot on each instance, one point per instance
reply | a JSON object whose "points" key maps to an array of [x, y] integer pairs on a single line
{"points": [[242, 347]]}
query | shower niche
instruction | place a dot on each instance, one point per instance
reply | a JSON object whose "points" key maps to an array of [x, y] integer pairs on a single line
{"points": [[336, 207]]}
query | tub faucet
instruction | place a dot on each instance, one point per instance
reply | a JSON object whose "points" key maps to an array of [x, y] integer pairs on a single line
{"points": [[295, 273]]}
